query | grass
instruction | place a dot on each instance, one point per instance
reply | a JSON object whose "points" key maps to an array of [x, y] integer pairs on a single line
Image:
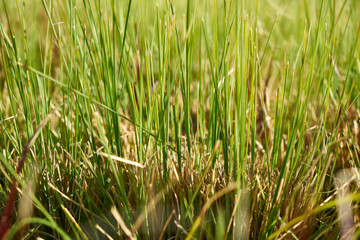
{"points": [[179, 119]]}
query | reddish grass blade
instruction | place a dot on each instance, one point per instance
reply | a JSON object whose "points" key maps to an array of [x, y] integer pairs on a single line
{"points": [[6, 219]]}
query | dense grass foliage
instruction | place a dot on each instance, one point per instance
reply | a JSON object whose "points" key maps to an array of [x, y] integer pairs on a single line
{"points": [[209, 119]]}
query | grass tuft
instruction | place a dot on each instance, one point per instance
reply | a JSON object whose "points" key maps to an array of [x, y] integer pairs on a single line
{"points": [[179, 119]]}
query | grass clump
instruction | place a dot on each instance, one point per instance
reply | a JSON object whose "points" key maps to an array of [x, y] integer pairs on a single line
{"points": [[179, 119]]}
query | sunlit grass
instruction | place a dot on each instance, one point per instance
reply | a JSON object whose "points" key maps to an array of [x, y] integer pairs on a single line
{"points": [[187, 119]]}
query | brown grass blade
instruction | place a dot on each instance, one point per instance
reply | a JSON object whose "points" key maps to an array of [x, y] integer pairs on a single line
{"points": [[6, 219]]}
